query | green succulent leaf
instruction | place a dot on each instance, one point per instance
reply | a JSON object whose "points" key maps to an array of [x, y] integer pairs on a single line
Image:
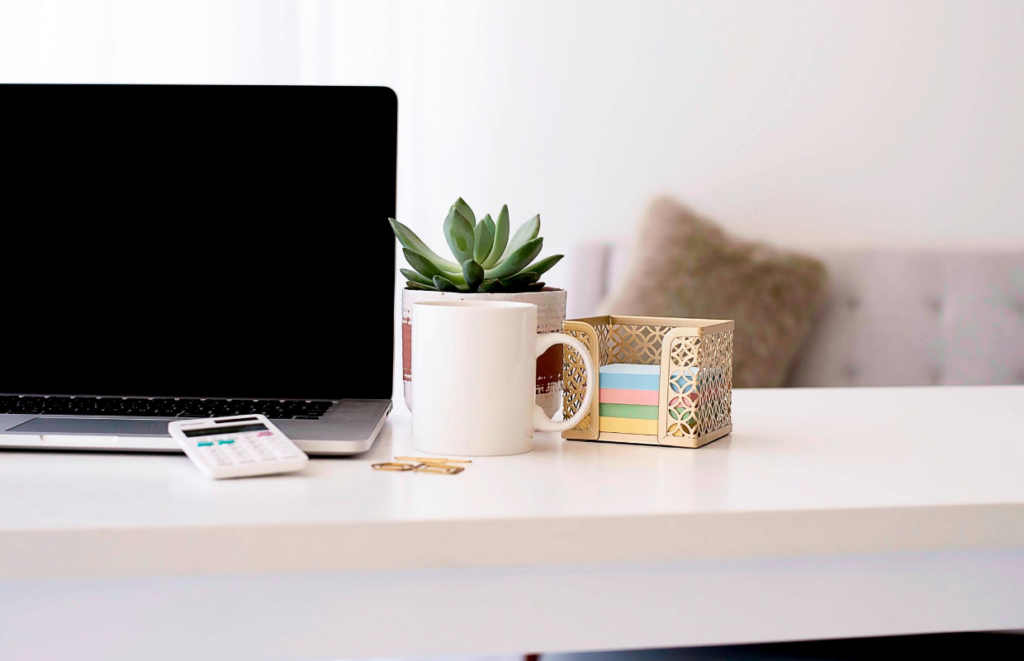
{"points": [[416, 277], [444, 284], [424, 266], [519, 281], [474, 274], [537, 286], [500, 239], [490, 223], [544, 265], [409, 240], [528, 231], [464, 209], [418, 287], [484, 239], [492, 286], [517, 260], [428, 269], [458, 231]]}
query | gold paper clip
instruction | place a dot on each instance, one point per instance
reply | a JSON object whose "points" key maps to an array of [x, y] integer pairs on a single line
{"points": [[440, 469], [434, 460], [392, 466]]}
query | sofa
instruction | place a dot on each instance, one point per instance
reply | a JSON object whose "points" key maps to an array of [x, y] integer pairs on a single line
{"points": [[891, 318]]}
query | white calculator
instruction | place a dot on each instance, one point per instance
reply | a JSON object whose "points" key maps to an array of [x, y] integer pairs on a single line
{"points": [[237, 446]]}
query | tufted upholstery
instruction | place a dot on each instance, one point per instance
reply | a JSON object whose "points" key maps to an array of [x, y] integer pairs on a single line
{"points": [[892, 318]]}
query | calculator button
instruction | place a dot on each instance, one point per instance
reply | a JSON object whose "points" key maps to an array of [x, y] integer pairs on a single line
{"points": [[203, 444], [265, 433], [226, 441]]}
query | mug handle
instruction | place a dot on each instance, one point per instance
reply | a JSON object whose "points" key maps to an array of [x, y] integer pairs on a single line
{"points": [[541, 422]]}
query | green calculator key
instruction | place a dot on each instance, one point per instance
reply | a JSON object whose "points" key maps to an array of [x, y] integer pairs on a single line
{"points": [[226, 441], [204, 443]]}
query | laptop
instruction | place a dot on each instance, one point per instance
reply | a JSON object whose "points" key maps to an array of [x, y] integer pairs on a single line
{"points": [[172, 251]]}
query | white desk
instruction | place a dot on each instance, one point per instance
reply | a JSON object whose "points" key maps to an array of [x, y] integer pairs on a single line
{"points": [[827, 513]]}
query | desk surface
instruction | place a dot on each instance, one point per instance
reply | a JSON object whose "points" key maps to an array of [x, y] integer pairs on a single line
{"points": [[806, 472]]}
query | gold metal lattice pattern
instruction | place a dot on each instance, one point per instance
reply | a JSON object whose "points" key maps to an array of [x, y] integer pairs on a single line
{"points": [[694, 357], [633, 343], [574, 377], [700, 385]]}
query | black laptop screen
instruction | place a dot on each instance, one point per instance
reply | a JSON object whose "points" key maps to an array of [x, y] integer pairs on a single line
{"points": [[197, 241]]}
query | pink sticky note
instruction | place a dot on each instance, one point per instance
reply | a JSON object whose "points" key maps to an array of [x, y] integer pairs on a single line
{"points": [[622, 396]]}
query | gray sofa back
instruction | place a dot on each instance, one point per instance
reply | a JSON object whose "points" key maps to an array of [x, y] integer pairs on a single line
{"points": [[892, 318]]}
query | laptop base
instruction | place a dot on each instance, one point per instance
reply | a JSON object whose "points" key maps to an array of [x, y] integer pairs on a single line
{"points": [[348, 427]]}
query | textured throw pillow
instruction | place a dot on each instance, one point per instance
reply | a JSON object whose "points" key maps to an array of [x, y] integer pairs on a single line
{"points": [[686, 266]]}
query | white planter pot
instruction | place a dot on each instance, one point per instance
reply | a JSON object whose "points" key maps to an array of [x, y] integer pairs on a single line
{"points": [[550, 315]]}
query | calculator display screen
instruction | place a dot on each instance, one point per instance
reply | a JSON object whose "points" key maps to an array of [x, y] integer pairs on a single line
{"points": [[223, 431]]}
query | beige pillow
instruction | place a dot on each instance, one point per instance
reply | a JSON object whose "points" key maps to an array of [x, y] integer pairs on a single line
{"points": [[686, 266]]}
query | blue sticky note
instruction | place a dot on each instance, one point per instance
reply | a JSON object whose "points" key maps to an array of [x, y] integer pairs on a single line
{"points": [[627, 376]]}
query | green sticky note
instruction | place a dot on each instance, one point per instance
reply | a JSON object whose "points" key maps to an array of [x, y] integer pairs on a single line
{"points": [[631, 411]]}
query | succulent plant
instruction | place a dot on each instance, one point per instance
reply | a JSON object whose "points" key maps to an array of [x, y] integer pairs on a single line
{"points": [[486, 260]]}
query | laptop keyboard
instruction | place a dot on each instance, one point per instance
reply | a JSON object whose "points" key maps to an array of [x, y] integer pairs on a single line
{"points": [[275, 409]]}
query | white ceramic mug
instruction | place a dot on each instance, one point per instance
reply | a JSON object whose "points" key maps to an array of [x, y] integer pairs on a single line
{"points": [[476, 368]]}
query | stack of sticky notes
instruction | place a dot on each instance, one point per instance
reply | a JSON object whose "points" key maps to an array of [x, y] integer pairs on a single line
{"points": [[629, 398]]}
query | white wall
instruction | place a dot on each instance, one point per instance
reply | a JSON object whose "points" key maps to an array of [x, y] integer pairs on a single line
{"points": [[802, 122], [806, 123]]}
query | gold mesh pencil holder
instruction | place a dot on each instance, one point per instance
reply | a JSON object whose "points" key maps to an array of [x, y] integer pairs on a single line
{"points": [[694, 378]]}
